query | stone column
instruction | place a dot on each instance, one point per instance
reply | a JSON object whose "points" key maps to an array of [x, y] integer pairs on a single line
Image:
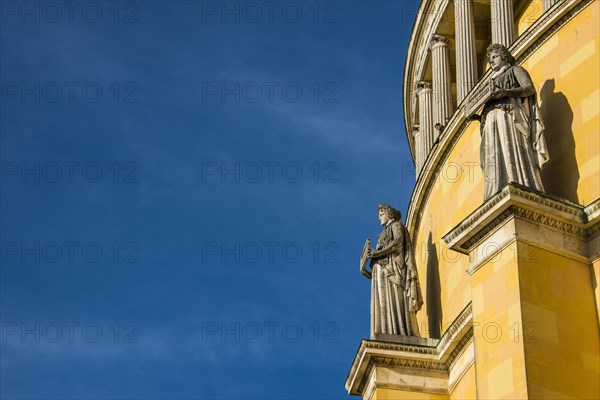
{"points": [[426, 129], [442, 95], [503, 22], [547, 4], [466, 66], [418, 149]]}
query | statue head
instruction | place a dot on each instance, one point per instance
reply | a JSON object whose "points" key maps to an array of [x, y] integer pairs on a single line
{"points": [[387, 212], [501, 51]]}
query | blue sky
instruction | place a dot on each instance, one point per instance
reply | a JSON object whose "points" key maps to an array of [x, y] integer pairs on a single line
{"points": [[186, 193]]}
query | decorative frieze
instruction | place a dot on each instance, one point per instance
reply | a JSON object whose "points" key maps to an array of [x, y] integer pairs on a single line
{"points": [[529, 216], [423, 366]]}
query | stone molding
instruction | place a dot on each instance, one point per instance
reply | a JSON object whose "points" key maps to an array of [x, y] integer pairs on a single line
{"points": [[537, 34], [428, 359], [519, 213]]}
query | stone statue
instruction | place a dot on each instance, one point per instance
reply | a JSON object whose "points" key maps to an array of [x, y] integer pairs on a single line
{"points": [[513, 147], [395, 290]]}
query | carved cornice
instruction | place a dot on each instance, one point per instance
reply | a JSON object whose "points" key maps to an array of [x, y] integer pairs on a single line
{"points": [[440, 357], [546, 26], [515, 201], [592, 211], [524, 46]]}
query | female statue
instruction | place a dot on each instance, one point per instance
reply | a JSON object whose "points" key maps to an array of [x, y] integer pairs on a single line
{"points": [[395, 291], [513, 148]]}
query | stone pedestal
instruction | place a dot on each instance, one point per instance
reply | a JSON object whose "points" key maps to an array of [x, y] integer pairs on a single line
{"points": [[532, 288], [405, 367]]}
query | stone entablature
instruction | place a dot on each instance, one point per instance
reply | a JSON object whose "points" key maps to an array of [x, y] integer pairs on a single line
{"points": [[519, 213], [411, 363]]}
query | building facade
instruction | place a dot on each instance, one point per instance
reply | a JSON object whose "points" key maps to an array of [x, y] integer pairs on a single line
{"points": [[511, 283]]}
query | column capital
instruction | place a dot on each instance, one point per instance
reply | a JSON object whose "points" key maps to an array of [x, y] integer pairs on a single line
{"points": [[438, 41], [415, 130], [422, 86]]}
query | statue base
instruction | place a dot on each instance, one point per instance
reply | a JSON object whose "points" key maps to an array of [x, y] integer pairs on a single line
{"points": [[401, 367], [410, 340]]}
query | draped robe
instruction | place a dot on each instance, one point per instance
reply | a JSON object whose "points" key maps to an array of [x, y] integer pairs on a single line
{"points": [[513, 147], [395, 290]]}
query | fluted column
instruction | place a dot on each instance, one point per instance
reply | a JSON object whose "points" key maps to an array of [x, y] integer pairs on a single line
{"points": [[442, 95], [426, 129], [546, 4], [418, 149], [503, 22], [466, 66]]}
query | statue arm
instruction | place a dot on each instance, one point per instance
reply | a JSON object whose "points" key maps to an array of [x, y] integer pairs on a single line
{"points": [[525, 88], [394, 245], [526, 85]]}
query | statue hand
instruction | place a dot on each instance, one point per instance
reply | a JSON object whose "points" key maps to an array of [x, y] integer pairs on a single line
{"points": [[374, 254], [366, 273], [499, 93]]}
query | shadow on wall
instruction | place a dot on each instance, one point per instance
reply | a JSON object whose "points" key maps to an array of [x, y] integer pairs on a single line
{"points": [[561, 175], [433, 301]]}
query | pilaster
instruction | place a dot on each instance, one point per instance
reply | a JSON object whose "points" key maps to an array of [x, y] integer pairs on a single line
{"points": [[532, 295]]}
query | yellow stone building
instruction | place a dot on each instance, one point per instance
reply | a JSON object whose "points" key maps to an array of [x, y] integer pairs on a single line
{"points": [[510, 284]]}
